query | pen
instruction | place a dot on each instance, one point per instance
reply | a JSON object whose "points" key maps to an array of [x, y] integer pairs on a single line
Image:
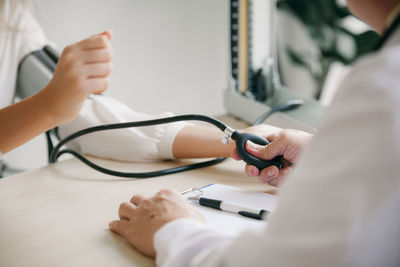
{"points": [[225, 206]]}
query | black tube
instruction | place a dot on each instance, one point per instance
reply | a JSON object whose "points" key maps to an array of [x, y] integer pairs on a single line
{"points": [[141, 174], [189, 117], [289, 105]]}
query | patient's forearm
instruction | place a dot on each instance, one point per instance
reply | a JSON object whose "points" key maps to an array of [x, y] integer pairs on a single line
{"points": [[201, 142], [23, 121]]}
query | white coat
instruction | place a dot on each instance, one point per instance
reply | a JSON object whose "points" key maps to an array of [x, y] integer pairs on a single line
{"points": [[341, 204]]}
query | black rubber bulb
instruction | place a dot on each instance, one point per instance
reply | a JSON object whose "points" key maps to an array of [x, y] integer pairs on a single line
{"points": [[242, 138]]}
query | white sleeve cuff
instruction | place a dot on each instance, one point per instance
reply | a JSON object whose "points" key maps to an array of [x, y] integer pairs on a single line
{"points": [[180, 227], [165, 146], [184, 242]]}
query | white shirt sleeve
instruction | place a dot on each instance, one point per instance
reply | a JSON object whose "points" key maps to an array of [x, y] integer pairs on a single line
{"points": [[31, 34], [140, 144], [339, 207], [20, 35]]}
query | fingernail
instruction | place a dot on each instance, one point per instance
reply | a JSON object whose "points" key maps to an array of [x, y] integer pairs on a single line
{"points": [[254, 172], [271, 173], [251, 146]]}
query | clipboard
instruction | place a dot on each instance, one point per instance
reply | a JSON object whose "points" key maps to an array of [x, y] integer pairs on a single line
{"points": [[231, 223]]}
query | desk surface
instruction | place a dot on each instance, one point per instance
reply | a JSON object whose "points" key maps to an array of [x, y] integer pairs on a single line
{"points": [[58, 215]]}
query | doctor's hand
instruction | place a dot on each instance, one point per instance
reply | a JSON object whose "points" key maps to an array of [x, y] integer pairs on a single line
{"points": [[286, 143], [82, 69], [142, 217]]}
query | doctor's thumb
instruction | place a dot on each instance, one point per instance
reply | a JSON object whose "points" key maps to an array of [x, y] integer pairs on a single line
{"points": [[263, 152]]}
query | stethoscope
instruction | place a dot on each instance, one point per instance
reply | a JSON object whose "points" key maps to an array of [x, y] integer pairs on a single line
{"points": [[230, 133]]}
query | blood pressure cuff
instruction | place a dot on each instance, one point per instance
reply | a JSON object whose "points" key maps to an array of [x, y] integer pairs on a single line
{"points": [[139, 144], [35, 71]]}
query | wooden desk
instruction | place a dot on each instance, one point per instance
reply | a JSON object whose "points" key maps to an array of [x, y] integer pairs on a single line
{"points": [[58, 215]]}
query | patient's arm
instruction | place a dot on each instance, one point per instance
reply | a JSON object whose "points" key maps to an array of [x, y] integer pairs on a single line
{"points": [[22, 121], [201, 142], [150, 143], [83, 68]]}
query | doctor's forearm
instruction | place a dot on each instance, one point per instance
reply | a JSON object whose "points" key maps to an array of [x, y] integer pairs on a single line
{"points": [[22, 121], [200, 142]]}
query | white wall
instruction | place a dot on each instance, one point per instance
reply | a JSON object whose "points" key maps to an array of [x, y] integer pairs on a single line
{"points": [[168, 55]]}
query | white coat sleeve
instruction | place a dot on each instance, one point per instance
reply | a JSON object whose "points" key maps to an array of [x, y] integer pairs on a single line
{"points": [[340, 205], [140, 144]]}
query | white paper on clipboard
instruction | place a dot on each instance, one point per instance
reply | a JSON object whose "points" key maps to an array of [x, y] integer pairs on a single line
{"points": [[230, 223]]}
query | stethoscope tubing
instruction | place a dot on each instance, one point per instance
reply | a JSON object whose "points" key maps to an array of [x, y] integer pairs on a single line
{"points": [[56, 153]]}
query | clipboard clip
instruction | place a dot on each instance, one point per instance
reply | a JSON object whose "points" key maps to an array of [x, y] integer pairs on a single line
{"points": [[198, 191]]}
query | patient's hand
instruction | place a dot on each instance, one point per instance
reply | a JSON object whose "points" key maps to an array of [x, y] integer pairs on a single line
{"points": [[82, 69], [288, 143], [142, 217]]}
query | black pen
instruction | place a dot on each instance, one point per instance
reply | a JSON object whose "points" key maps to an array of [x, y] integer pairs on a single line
{"points": [[225, 206]]}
